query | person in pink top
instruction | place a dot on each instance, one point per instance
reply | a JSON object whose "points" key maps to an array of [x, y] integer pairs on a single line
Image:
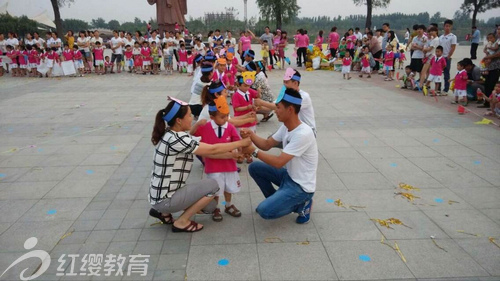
{"points": [[222, 169], [12, 55], [183, 58], [365, 62], [389, 62], [219, 73], [32, 60], [22, 59], [346, 66], [319, 40], [245, 43], [67, 53], [438, 64], [230, 71], [99, 58], [460, 84], [333, 41], [350, 38], [78, 60], [301, 43]]}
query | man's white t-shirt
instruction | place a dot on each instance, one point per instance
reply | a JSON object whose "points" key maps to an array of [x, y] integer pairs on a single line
{"points": [[93, 40], [301, 143], [13, 42], [200, 50], [306, 113], [127, 42], [83, 40], [3, 47], [157, 40], [115, 42], [446, 41], [359, 35], [41, 42]]}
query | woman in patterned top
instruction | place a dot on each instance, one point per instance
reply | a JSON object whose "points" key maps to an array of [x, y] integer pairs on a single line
{"points": [[173, 159], [261, 85]]}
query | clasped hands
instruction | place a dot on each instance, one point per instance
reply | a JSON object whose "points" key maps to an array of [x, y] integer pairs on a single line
{"points": [[246, 151]]}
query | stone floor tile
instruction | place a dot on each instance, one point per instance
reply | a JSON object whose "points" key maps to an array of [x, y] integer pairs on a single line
{"points": [[345, 226]]}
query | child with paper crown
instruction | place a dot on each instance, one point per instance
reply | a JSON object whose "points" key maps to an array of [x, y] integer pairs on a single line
{"points": [[222, 168]]}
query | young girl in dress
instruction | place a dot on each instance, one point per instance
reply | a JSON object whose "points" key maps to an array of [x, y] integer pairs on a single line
{"points": [[281, 49], [22, 59], [460, 84], [99, 58], [358, 53], [146, 58], [67, 53], [155, 55], [223, 169], [32, 60], [365, 62], [107, 64], [346, 65], [389, 63], [78, 60], [51, 59], [137, 57], [12, 55]]}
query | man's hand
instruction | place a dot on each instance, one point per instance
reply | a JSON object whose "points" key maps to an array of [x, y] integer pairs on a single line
{"points": [[246, 133], [247, 150], [246, 142]]}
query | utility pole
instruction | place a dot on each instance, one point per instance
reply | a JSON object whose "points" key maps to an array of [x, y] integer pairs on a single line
{"points": [[246, 21]]}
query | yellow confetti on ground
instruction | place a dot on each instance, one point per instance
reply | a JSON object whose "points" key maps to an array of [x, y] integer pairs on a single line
{"points": [[67, 234], [468, 233], [398, 86], [435, 243], [451, 202], [303, 243], [408, 196], [339, 203], [156, 223], [382, 223], [407, 186], [492, 240], [273, 240], [395, 248]]}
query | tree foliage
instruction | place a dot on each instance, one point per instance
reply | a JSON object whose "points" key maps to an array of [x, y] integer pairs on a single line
{"points": [[19, 25], [114, 25], [99, 23], [478, 6], [75, 25], [370, 5], [56, 4], [279, 11]]}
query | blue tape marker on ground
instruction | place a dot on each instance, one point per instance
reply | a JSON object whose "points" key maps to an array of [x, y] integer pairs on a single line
{"points": [[477, 162], [405, 121], [40, 149], [2, 175], [113, 147], [89, 172], [393, 165], [364, 258], [223, 262], [438, 200], [365, 142], [329, 201], [51, 212], [341, 123], [435, 140]]}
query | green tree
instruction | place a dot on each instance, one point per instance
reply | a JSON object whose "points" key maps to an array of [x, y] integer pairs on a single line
{"points": [[56, 4], [437, 18], [370, 5], [478, 6], [19, 25], [281, 11], [75, 25], [99, 23], [113, 25]]}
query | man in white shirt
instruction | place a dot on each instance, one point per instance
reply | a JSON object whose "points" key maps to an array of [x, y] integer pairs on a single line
{"points": [[116, 47], [448, 41], [359, 35], [3, 49], [293, 171]]}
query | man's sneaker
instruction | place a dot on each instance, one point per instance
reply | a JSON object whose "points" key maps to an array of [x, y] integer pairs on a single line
{"points": [[305, 215]]}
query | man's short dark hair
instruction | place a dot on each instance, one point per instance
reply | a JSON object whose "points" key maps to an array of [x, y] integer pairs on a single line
{"points": [[357, 28], [422, 27], [467, 62], [386, 24], [295, 94], [369, 33], [450, 22], [434, 24], [474, 27]]}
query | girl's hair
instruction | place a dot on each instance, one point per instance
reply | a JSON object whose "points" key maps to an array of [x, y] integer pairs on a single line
{"points": [[206, 96], [159, 127], [29, 47], [320, 33], [391, 36], [283, 35], [81, 32], [261, 66], [210, 33], [252, 66], [334, 29], [138, 32]]}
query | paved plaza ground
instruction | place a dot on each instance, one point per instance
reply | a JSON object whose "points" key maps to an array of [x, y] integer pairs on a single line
{"points": [[76, 156]]}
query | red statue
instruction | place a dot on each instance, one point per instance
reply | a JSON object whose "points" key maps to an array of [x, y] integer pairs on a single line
{"points": [[170, 12]]}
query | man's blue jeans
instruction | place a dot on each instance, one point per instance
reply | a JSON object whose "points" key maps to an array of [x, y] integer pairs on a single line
{"points": [[447, 75], [278, 203]]}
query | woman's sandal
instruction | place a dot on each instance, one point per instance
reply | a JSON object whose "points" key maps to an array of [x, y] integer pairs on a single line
{"points": [[265, 119], [164, 219], [232, 211], [192, 227]]}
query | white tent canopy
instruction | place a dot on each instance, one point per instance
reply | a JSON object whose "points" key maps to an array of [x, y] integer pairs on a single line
{"points": [[44, 19]]}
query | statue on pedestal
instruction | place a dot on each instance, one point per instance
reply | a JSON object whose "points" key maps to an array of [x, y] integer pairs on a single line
{"points": [[170, 12]]}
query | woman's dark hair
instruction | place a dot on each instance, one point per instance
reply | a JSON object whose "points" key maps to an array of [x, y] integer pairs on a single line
{"points": [[206, 96], [252, 66], [320, 33], [138, 32], [407, 29], [159, 128], [334, 29], [262, 67], [369, 33], [81, 32], [391, 36], [210, 33]]}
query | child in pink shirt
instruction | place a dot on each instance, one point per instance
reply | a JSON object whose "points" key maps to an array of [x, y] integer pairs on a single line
{"points": [[78, 60], [67, 53], [99, 58], [107, 64], [438, 64], [190, 63], [183, 61], [146, 57], [346, 66], [129, 58], [365, 62], [389, 62], [460, 84], [32, 60], [12, 54], [51, 58], [230, 71], [22, 59], [223, 169]]}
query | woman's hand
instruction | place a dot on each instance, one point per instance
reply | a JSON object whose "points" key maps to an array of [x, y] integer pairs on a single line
{"points": [[245, 133]]}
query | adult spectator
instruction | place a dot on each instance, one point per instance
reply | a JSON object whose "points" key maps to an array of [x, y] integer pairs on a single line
{"points": [[407, 36], [154, 37], [351, 38], [319, 40], [367, 29], [70, 38], [476, 36], [231, 39], [83, 44], [449, 42], [474, 81], [245, 43], [29, 39], [3, 51], [48, 37], [417, 46], [128, 40], [269, 37], [493, 71], [412, 35], [96, 38], [333, 41], [116, 47], [39, 42], [293, 171], [55, 42], [359, 35], [429, 50], [138, 37], [218, 39], [386, 27], [301, 44], [199, 47], [375, 49]]}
